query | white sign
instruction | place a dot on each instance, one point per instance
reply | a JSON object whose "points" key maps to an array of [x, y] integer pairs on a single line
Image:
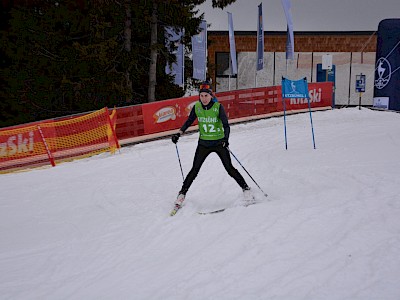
{"points": [[327, 62], [381, 102]]}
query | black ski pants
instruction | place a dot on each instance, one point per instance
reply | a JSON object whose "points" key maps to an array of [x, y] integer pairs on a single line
{"points": [[200, 156]]}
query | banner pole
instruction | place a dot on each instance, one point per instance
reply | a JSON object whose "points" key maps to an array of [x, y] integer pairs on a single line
{"points": [[351, 61], [286, 69], [284, 120], [312, 127], [284, 108], [183, 63], [312, 65]]}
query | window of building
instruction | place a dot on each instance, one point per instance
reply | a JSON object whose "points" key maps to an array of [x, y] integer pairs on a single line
{"points": [[222, 63]]}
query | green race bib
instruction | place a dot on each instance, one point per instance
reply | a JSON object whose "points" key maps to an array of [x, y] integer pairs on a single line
{"points": [[210, 126]]}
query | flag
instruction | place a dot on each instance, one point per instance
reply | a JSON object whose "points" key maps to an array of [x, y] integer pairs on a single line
{"points": [[294, 88], [260, 40], [289, 45], [177, 67], [232, 45], [290, 38], [199, 52], [387, 65]]}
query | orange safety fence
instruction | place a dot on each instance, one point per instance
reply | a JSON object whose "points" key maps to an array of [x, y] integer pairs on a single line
{"points": [[51, 142]]}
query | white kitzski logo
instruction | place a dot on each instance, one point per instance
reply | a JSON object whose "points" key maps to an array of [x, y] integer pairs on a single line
{"points": [[383, 73]]}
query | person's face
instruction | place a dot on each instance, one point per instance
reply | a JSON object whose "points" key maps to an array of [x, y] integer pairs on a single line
{"points": [[205, 98]]}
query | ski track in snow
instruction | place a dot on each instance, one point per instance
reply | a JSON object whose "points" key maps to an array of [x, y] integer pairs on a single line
{"points": [[99, 228]]}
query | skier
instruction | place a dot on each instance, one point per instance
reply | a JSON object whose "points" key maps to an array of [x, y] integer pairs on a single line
{"points": [[214, 137]]}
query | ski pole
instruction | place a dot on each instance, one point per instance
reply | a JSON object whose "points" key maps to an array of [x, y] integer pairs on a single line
{"points": [[265, 194], [179, 159]]}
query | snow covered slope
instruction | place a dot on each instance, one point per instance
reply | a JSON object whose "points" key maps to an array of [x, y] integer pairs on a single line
{"points": [[99, 228]]}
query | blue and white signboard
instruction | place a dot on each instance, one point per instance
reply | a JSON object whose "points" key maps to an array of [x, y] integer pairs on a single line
{"points": [[294, 88], [381, 102], [360, 83]]}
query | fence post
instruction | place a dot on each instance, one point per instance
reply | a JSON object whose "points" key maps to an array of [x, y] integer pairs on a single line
{"points": [[51, 158]]}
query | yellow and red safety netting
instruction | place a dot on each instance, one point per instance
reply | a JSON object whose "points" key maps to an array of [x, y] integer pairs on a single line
{"points": [[53, 141]]}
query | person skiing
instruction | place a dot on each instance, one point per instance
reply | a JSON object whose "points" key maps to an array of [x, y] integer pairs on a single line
{"points": [[214, 137]]}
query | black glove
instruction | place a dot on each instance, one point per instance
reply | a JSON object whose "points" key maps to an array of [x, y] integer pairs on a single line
{"points": [[175, 137], [224, 143]]}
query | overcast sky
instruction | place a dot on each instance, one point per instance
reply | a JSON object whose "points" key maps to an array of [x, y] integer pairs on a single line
{"points": [[308, 15]]}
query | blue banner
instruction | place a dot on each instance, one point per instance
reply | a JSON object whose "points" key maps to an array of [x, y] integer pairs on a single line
{"points": [[289, 45], [176, 68], [232, 45], [294, 88], [199, 52], [387, 68], [260, 40], [290, 37]]}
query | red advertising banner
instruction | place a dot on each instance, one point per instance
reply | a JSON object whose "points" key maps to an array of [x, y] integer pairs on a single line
{"points": [[167, 115], [171, 114]]}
